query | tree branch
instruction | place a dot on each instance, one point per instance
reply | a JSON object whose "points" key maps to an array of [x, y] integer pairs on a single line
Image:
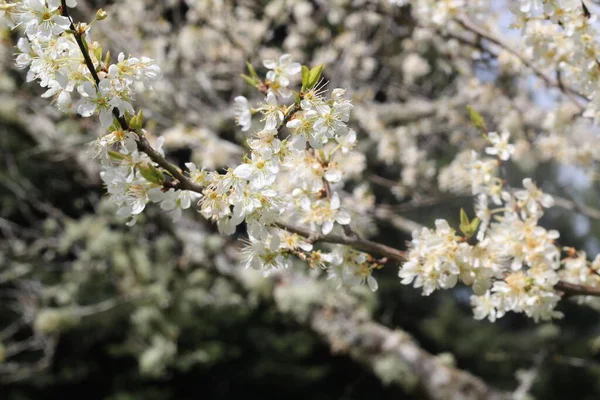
{"points": [[347, 327], [472, 27], [358, 243], [143, 145], [355, 242]]}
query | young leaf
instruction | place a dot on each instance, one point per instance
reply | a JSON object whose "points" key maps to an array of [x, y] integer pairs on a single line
{"points": [[475, 224], [252, 71], [151, 173], [305, 74], [314, 75], [115, 126], [137, 122], [464, 218], [477, 119], [249, 80], [115, 155], [467, 227], [98, 53]]}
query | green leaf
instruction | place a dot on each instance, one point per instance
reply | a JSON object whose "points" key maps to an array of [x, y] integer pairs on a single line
{"points": [[297, 98], [137, 122], [115, 155], [98, 53], [249, 80], [252, 71], [314, 75], [475, 224], [468, 228], [464, 218], [151, 173], [305, 74], [477, 119], [115, 126]]}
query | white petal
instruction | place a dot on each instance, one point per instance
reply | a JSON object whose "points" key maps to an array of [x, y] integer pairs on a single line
{"points": [[86, 108], [343, 218], [241, 101], [89, 89], [274, 245], [155, 195], [270, 63], [327, 227], [372, 283], [106, 118], [294, 68], [335, 201], [244, 171], [138, 206]]}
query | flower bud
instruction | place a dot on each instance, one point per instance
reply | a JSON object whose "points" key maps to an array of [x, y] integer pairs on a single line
{"points": [[101, 14]]}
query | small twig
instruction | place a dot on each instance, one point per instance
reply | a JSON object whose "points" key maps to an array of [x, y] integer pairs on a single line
{"points": [[470, 26], [106, 305], [358, 243], [142, 143], [288, 116], [573, 289], [576, 206], [529, 377]]}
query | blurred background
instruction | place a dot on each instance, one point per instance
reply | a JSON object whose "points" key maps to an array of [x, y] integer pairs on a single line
{"points": [[92, 308]]}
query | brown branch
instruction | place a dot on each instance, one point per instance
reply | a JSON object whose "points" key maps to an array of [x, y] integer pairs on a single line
{"points": [[576, 206], [355, 242], [472, 27], [392, 354], [78, 33], [573, 289], [184, 182], [347, 327], [406, 226], [288, 116], [143, 145]]}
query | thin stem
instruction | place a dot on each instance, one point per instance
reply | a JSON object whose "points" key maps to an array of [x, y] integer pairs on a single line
{"points": [[184, 182], [142, 143], [572, 289], [355, 242], [288, 116], [470, 26], [78, 38]]}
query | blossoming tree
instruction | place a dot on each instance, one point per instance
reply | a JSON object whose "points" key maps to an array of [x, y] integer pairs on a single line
{"points": [[300, 192]]}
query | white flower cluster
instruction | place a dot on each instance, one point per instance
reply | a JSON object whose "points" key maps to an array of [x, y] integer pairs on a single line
{"points": [[132, 180], [562, 34], [578, 270], [53, 57], [284, 179], [512, 263], [301, 154], [559, 36], [439, 13], [294, 178], [351, 268]]}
